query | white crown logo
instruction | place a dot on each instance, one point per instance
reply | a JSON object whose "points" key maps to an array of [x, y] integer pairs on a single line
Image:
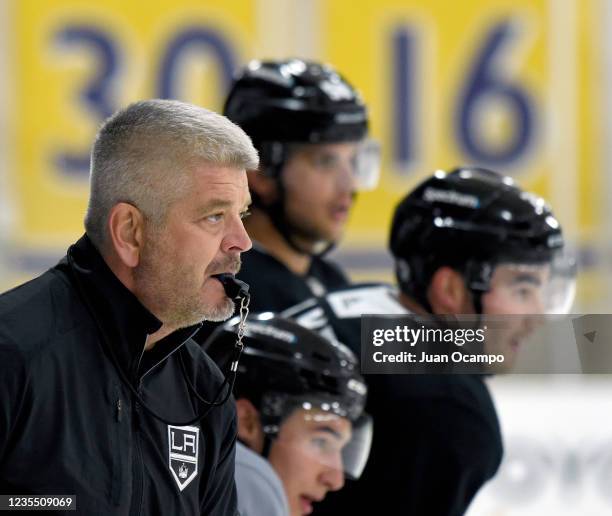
{"points": [[183, 471]]}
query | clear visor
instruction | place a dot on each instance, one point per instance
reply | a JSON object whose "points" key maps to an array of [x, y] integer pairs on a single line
{"points": [[561, 287], [359, 161], [356, 452], [543, 288], [367, 165], [321, 439]]}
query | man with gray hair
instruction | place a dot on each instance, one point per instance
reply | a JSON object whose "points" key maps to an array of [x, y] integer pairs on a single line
{"points": [[103, 394]]}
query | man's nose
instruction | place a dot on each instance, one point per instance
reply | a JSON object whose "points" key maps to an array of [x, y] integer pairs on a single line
{"points": [[236, 239], [538, 306], [333, 475], [345, 178]]}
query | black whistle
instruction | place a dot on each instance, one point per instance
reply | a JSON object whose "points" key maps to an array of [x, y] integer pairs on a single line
{"points": [[234, 288]]}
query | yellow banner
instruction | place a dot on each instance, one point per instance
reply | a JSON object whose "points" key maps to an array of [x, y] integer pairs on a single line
{"points": [[513, 85], [76, 62], [507, 85]]}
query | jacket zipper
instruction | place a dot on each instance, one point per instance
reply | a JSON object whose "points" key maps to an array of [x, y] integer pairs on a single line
{"points": [[137, 426], [139, 451], [117, 482]]}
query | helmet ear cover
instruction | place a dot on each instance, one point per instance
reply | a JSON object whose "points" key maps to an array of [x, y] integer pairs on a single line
{"points": [[273, 156]]}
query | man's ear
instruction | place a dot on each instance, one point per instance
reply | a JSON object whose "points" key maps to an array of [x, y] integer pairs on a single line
{"points": [[448, 294], [125, 226], [250, 431], [263, 185]]}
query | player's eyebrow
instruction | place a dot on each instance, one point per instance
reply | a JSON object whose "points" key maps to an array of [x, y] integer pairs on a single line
{"points": [[527, 278], [329, 430], [218, 204], [215, 204]]}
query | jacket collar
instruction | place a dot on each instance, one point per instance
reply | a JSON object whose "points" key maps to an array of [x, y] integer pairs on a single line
{"points": [[124, 320]]}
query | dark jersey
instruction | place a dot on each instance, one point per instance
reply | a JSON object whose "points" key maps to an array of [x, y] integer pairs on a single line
{"points": [[274, 287], [436, 437], [70, 425]]}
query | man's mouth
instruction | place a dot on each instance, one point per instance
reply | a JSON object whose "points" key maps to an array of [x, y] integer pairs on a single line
{"points": [[217, 278], [306, 504], [340, 212], [230, 272], [230, 268]]}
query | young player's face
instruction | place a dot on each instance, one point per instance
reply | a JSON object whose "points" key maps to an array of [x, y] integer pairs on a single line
{"points": [[202, 235], [307, 457], [319, 182], [517, 291]]}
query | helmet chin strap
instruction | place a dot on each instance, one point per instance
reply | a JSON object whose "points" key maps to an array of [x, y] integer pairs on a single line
{"points": [[276, 212], [477, 302], [477, 276], [271, 428], [267, 446]]}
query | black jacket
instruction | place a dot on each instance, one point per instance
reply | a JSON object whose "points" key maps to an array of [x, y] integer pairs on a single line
{"points": [[69, 424]]}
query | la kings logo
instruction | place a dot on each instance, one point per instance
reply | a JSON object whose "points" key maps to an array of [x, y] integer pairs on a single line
{"points": [[183, 442]]}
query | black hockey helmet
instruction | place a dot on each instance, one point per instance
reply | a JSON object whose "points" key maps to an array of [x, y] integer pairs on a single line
{"points": [[285, 367], [293, 101], [473, 219]]}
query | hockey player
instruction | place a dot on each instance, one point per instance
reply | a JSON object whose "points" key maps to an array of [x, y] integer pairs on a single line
{"points": [[300, 400], [310, 128], [465, 242]]}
